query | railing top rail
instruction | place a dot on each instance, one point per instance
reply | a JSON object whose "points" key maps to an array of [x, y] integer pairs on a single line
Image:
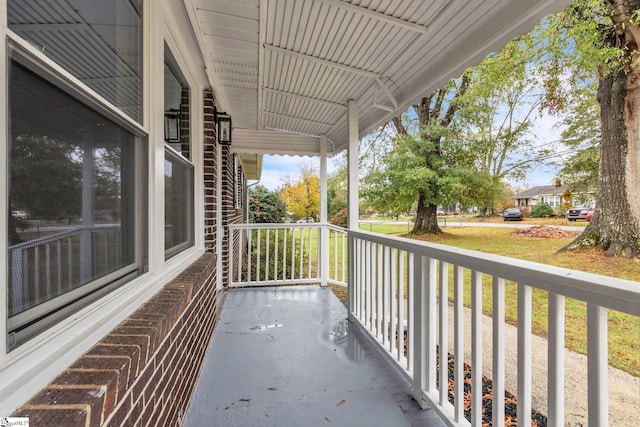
{"points": [[615, 293], [275, 225], [68, 232]]}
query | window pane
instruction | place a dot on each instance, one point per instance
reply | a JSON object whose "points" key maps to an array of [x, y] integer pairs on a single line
{"points": [[98, 41], [178, 214], [71, 193], [176, 106]]}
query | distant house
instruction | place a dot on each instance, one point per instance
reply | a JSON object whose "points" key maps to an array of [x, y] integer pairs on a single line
{"points": [[549, 194]]}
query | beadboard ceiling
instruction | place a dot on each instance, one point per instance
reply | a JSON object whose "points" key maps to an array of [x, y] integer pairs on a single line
{"points": [[291, 65]]}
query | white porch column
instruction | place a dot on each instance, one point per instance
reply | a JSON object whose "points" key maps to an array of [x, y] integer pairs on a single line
{"points": [[324, 220], [352, 164]]}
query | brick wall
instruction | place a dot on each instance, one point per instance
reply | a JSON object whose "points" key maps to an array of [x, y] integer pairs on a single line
{"points": [[143, 372], [232, 181], [210, 173]]}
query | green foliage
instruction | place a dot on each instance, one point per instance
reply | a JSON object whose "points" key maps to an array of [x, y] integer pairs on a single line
{"points": [[46, 177], [541, 210], [265, 206], [280, 267], [582, 136]]}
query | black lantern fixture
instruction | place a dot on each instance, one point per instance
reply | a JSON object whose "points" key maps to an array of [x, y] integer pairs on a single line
{"points": [[223, 123], [172, 126]]}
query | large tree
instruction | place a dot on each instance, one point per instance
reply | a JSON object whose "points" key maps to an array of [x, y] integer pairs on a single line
{"points": [[603, 36], [303, 197], [416, 168]]}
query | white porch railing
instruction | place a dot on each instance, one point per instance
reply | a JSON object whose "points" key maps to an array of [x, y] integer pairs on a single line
{"points": [[49, 266], [281, 254], [404, 288]]}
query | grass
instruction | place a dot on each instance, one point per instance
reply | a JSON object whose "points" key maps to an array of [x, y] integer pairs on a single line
{"points": [[624, 329]]}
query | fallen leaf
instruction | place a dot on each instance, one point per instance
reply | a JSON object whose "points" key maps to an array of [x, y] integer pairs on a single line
{"points": [[229, 406], [342, 402], [328, 420], [245, 400], [272, 388]]}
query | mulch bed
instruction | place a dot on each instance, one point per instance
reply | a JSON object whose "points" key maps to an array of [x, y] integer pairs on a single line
{"points": [[544, 232], [510, 401]]}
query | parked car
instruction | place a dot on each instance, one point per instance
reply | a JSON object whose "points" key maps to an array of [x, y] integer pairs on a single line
{"points": [[589, 215], [579, 213], [304, 220], [513, 214]]}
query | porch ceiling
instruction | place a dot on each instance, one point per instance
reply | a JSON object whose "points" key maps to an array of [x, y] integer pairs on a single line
{"points": [[292, 65]]}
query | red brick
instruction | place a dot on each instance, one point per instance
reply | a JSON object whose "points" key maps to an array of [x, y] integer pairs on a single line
{"points": [[130, 352]]}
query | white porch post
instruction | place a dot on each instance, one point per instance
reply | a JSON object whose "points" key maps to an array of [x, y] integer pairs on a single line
{"points": [[352, 164], [324, 231]]}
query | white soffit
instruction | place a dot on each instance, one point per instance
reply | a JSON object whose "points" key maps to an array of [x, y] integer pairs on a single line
{"points": [[292, 65], [274, 143], [251, 165]]}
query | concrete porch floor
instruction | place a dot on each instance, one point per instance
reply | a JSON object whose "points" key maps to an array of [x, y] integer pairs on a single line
{"points": [[286, 357]]}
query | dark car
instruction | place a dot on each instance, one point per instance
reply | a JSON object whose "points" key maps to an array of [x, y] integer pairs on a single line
{"points": [[579, 213], [513, 214]]}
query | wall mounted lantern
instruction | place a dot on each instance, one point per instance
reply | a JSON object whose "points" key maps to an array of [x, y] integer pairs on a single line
{"points": [[172, 126], [223, 123]]}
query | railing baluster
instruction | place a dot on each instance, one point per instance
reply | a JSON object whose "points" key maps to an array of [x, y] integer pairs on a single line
{"points": [[36, 274], [524, 355], [267, 258], [443, 305], [344, 258], [258, 254], [249, 251], [309, 255], [70, 257], [285, 235], [106, 251], [419, 334], [301, 253], [293, 253], [386, 321], [401, 310], [411, 276], [240, 253], [555, 360], [597, 362], [379, 289], [369, 286], [335, 255], [47, 266], [59, 264], [363, 280], [394, 334], [429, 324], [476, 348], [458, 347], [275, 260], [498, 352], [372, 288]]}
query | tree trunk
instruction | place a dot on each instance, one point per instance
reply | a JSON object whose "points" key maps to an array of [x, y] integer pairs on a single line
{"points": [[426, 218], [615, 225]]}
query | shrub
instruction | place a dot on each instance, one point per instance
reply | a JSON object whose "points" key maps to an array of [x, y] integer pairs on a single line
{"points": [[340, 218], [541, 210]]}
